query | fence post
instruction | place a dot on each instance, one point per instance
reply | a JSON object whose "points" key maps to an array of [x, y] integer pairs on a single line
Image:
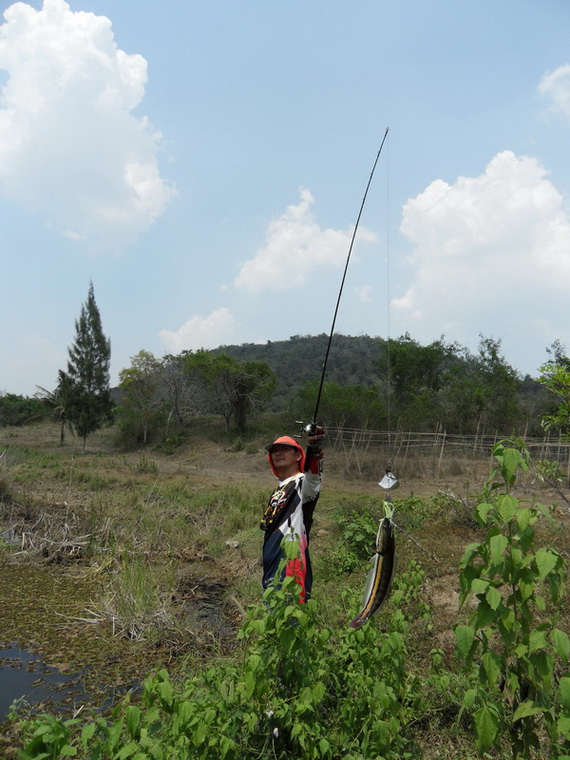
{"points": [[441, 453]]}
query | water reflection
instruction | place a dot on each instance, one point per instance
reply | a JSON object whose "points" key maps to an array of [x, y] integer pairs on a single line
{"points": [[23, 676]]}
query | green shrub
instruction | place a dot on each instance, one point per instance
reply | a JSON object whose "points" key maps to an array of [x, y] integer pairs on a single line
{"points": [[20, 410], [511, 644], [357, 541]]}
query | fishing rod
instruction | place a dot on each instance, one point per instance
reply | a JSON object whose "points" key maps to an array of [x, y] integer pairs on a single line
{"points": [[314, 421], [383, 562]]}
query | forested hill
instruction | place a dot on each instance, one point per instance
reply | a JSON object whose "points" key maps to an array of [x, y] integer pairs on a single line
{"points": [[438, 384], [352, 360]]}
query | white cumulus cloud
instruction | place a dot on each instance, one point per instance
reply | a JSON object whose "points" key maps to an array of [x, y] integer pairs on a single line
{"points": [[491, 255], [200, 332], [295, 245], [556, 86], [70, 148]]}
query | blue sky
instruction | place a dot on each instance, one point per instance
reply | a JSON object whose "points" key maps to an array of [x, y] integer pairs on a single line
{"points": [[203, 163]]}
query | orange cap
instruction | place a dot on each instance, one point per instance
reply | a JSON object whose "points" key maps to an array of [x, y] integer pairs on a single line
{"points": [[286, 440]]}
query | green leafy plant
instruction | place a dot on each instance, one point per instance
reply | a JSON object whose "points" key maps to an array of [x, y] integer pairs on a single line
{"points": [[357, 540], [555, 375], [549, 472], [511, 642]]}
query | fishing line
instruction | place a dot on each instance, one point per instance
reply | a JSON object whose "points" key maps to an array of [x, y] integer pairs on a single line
{"points": [[344, 278], [388, 313]]}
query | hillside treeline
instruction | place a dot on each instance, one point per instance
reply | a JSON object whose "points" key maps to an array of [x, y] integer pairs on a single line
{"points": [[369, 382], [400, 383]]}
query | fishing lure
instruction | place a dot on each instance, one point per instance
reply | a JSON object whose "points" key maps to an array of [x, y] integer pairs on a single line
{"points": [[383, 562]]}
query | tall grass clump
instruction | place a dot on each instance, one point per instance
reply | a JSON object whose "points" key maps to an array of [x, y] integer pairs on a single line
{"points": [[138, 597]]}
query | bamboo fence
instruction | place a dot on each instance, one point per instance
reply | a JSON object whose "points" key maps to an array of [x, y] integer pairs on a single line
{"points": [[401, 444]]}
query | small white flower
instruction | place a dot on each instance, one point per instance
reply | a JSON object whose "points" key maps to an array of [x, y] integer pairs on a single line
{"points": [[275, 732], [269, 713]]}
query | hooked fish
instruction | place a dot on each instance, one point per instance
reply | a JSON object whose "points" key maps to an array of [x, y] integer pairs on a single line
{"points": [[380, 577]]}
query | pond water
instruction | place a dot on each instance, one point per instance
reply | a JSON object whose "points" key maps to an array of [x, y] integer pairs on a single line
{"points": [[25, 677], [62, 660]]}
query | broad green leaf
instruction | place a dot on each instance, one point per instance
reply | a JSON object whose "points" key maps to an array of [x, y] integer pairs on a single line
{"points": [[561, 643], [483, 510], [464, 635], [513, 682], [486, 726], [471, 550], [523, 518], [563, 726], [318, 691], [165, 691], [497, 546], [564, 692], [254, 662], [540, 602], [469, 698], [527, 708], [516, 558], [296, 730], [493, 597], [507, 506], [543, 663], [133, 716], [225, 745], [382, 730], [199, 734], [526, 587], [479, 586], [249, 682], [128, 751], [466, 578], [546, 560], [87, 732], [537, 640], [324, 746], [492, 665], [512, 460], [508, 620], [483, 615], [68, 751]]}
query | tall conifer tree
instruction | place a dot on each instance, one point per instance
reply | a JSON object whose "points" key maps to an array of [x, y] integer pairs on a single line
{"points": [[88, 402]]}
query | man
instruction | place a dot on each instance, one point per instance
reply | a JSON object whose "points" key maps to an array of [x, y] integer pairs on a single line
{"points": [[289, 512]]}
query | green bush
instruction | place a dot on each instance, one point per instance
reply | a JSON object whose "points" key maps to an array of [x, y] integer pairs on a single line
{"points": [[511, 644], [19, 410], [357, 542]]}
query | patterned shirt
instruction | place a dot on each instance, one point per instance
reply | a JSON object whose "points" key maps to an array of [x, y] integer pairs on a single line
{"points": [[288, 517]]}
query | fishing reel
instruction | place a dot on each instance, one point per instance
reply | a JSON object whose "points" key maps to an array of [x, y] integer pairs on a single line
{"points": [[305, 429]]}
